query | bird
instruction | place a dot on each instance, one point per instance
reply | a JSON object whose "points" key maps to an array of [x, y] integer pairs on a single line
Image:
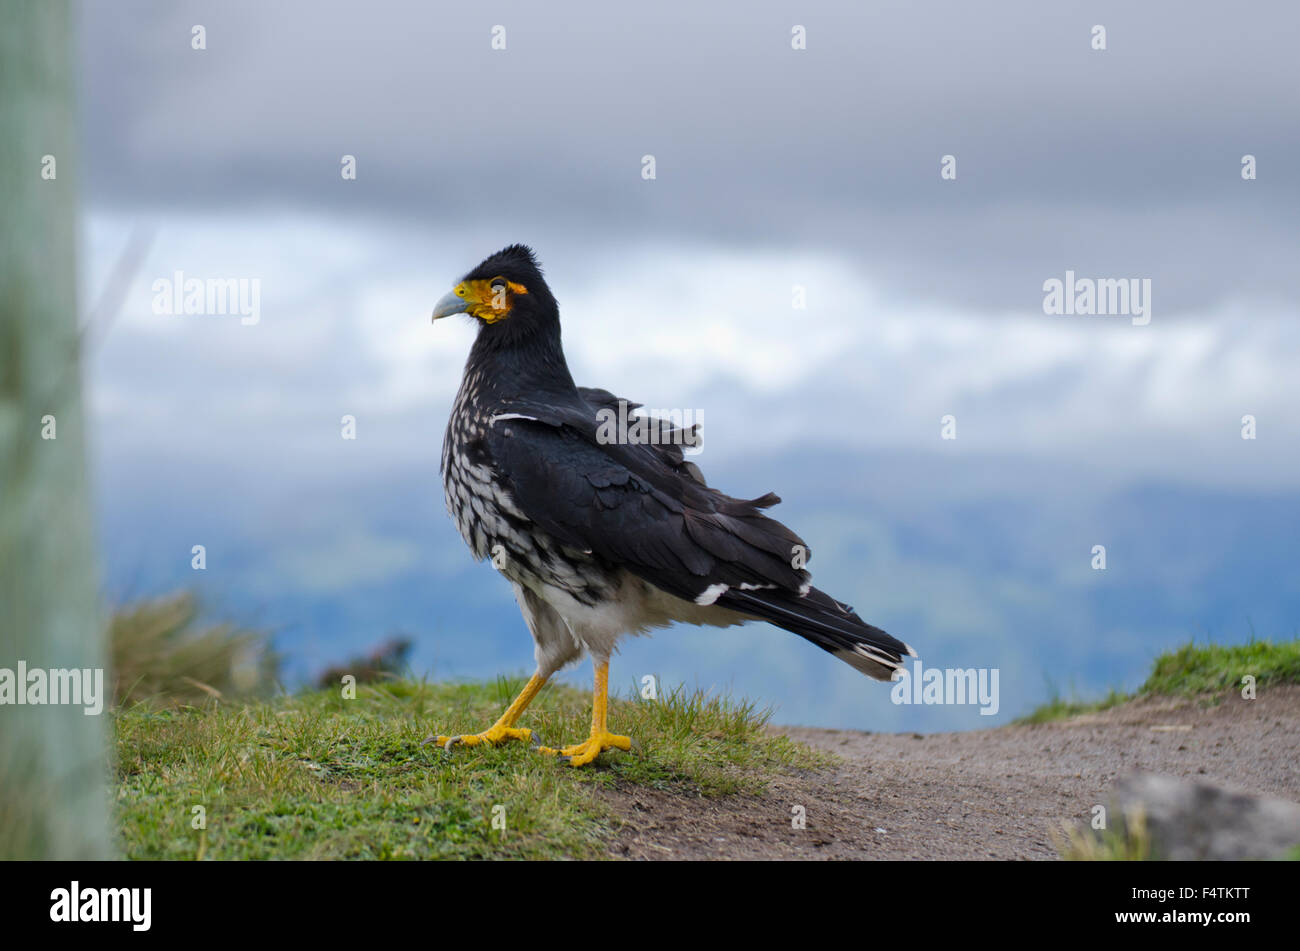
{"points": [[606, 532]]}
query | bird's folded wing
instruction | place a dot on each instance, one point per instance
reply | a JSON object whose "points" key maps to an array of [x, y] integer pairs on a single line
{"points": [[635, 506]]}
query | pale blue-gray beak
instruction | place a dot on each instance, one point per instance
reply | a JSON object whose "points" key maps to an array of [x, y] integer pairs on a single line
{"points": [[450, 304]]}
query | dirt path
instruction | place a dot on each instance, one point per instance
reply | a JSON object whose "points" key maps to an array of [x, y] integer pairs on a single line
{"points": [[982, 794]]}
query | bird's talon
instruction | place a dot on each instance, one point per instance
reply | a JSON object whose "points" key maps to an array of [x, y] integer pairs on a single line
{"points": [[580, 754], [493, 736]]}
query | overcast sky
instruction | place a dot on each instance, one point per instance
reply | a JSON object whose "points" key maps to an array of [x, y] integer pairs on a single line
{"points": [[775, 167], [1123, 162]]}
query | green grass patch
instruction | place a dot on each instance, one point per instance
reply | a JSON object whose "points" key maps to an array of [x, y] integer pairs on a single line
{"points": [[1059, 708], [1215, 668], [1193, 670], [315, 776]]}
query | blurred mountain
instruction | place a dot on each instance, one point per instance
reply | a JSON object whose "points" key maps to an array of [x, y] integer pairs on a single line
{"points": [[977, 561]]}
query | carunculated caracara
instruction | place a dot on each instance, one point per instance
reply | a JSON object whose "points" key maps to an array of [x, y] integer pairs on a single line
{"points": [[603, 537]]}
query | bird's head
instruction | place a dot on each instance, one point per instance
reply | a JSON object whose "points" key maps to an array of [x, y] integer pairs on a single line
{"points": [[506, 291]]}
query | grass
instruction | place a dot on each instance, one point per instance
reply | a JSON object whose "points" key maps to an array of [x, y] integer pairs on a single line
{"points": [[1192, 670], [1127, 841], [160, 652], [1059, 708], [317, 776], [1215, 668]]}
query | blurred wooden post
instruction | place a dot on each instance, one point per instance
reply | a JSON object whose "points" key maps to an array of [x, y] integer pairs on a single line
{"points": [[53, 759]]}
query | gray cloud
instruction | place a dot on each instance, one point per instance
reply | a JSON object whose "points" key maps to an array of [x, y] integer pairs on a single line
{"points": [[1123, 162]]}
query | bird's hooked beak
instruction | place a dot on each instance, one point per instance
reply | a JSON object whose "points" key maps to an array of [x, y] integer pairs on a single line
{"points": [[453, 302]]}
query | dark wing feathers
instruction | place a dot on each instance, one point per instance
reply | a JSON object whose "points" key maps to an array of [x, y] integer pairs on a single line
{"points": [[629, 504], [646, 508], [670, 438]]}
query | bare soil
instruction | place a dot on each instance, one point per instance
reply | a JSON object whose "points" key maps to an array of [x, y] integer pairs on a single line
{"points": [[986, 794]]}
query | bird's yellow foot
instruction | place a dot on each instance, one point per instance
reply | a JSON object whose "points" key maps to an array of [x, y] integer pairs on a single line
{"points": [[583, 753], [492, 736]]}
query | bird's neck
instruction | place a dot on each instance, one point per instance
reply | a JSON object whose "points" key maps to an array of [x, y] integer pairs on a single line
{"points": [[520, 365]]}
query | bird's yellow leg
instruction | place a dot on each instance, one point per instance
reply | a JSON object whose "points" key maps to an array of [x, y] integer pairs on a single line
{"points": [[504, 729], [601, 739]]}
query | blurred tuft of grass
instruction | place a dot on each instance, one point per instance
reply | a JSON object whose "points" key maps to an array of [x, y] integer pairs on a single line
{"points": [[161, 653]]}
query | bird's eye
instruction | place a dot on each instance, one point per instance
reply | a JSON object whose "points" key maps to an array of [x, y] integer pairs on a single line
{"points": [[498, 286]]}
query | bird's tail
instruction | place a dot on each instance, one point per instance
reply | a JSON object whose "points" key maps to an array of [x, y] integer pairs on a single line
{"points": [[834, 627]]}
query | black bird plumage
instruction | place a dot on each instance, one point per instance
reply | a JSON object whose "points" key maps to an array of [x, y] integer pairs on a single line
{"points": [[601, 538]]}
